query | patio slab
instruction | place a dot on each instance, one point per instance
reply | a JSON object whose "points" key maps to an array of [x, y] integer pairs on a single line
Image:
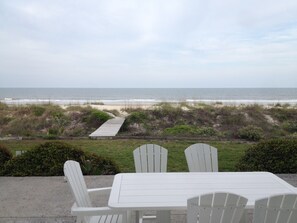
{"points": [[48, 199]]}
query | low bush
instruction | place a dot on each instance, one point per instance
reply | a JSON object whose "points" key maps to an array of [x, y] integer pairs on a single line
{"points": [[5, 155], [180, 130], [251, 132], [188, 130], [5, 120], [47, 159], [276, 156], [137, 116], [96, 118], [290, 126], [38, 110], [283, 114], [206, 131]]}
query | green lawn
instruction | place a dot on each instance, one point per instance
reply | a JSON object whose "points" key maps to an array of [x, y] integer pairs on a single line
{"points": [[120, 150]]}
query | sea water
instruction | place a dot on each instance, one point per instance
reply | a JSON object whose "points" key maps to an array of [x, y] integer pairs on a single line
{"points": [[147, 95]]}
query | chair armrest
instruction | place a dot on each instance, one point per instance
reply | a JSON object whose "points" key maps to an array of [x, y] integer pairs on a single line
{"points": [[94, 211], [99, 189]]}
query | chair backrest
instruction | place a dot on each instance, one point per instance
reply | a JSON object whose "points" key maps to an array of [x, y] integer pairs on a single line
{"points": [[150, 158], [276, 209], [202, 158], [216, 207], [75, 179]]}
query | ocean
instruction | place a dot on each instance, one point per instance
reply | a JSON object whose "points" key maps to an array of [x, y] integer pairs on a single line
{"points": [[66, 96]]}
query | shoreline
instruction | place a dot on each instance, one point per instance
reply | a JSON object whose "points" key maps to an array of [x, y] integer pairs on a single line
{"points": [[128, 102]]}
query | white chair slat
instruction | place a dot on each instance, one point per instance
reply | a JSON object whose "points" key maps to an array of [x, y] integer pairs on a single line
{"points": [[204, 210], [143, 159], [272, 213], [207, 156], [137, 162], [192, 212], [216, 207], [278, 209], [293, 216], [214, 159], [103, 219], [156, 159], [231, 201], [259, 214], [151, 158], [202, 158], [239, 210], [287, 202], [190, 161], [218, 200], [164, 155]]}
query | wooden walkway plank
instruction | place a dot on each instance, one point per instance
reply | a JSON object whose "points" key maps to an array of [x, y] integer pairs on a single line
{"points": [[110, 128]]}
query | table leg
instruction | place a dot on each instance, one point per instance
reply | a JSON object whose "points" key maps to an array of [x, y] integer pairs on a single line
{"points": [[245, 216], [163, 216], [137, 217]]}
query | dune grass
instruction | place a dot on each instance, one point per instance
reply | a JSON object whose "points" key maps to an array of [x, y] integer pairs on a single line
{"points": [[120, 150]]}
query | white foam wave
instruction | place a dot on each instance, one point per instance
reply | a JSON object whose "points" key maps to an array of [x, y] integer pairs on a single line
{"points": [[11, 101]]}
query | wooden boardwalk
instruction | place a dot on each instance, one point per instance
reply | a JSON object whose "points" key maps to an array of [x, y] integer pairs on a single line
{"points": [[110, 128]]}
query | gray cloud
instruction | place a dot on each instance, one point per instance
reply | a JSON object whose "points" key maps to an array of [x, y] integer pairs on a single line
{"points": [[148, 43]]}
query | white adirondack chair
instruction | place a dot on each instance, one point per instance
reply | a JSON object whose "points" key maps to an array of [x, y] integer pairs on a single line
{"points": [[202, 158], [276, 209], [217, 207], [150, 158], [82, 208]]}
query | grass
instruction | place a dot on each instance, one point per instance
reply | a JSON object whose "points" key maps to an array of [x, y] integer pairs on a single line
{"points": [[120, 150]]}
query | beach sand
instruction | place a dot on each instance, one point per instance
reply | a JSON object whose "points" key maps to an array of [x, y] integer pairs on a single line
{"points": [[123, 107]]}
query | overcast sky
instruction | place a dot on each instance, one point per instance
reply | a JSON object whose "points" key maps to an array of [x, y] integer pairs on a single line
{"points": [[152, 43]]}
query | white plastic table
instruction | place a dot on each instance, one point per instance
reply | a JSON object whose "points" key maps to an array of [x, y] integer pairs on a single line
{"points": [[170, 191]]}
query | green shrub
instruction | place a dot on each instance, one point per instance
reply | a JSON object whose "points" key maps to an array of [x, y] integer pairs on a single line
{"points": [[5, 155], [180, 130], [48, 159], [167, 110], [276, 156], [283, 114], [206, 131], [294, 135], [38, 110], [53, 131], [96, 118], [138, 117], [5, 120], [290, 126], [233, 119], [251, 133]]}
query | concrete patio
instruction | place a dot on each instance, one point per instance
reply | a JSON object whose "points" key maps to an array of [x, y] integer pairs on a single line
{"points": [[48, 199]]}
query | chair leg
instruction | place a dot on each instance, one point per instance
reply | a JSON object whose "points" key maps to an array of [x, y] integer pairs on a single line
{"points": [[137, 217], [163, 216], [79, 219]]}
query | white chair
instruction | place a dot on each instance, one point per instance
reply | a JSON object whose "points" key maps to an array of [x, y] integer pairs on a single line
{"points": [[276, 209], [202, 158], [150, 158], [217, 207], [82, 208]]}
